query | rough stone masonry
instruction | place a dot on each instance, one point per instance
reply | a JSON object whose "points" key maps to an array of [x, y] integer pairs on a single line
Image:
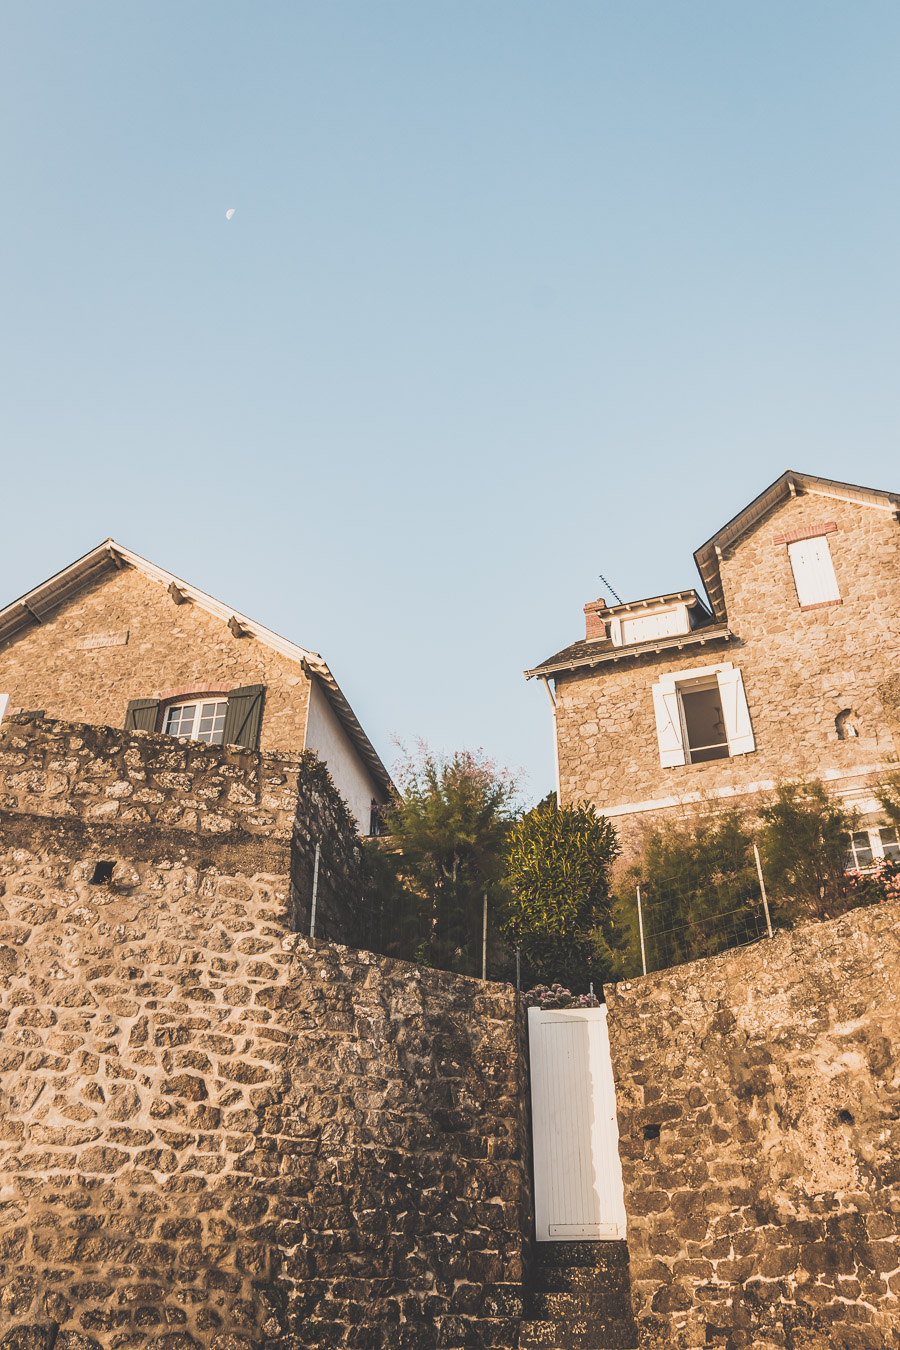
{"points": [[759, 1115], [214, 1132]]}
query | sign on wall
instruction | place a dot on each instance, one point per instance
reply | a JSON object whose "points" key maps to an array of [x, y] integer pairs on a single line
{"points": [[102, 640]]}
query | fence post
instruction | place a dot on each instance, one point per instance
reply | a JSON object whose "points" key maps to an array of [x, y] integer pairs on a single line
{"points": [[641, 926], [484, 941], [312, 910], [518, 969], [762, 887]]}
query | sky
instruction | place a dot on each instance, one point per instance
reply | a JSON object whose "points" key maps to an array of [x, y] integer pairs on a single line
{"points": [[514, 294]]}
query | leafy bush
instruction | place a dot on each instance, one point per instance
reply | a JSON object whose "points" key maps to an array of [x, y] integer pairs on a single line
{"points": [[557, 907], [557, 996], [448, 826], [804, 844]]}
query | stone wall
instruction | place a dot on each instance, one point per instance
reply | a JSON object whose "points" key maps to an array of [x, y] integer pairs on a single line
{"points": [[800, 669], [118, 795], [159, 646], [759, 1117], [214, 1132]]}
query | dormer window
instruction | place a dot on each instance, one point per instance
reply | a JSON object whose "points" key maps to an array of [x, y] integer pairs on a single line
{"points": [[662, 623], [648, 625]]}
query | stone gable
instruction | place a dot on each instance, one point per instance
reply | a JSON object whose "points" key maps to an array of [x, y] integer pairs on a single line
{"points": [[78, 665]]}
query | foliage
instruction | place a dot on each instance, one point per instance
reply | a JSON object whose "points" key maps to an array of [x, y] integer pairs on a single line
{"points": [[557, 996], [804, 845], [888, 794], [448, 826], [557, 908], [699, 889], [875, 886]]}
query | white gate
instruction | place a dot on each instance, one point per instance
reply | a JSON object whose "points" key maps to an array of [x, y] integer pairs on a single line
{"points": [[577, 1174]]}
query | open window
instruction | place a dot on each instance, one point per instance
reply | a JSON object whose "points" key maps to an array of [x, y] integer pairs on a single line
{"points": [[702, 715]]}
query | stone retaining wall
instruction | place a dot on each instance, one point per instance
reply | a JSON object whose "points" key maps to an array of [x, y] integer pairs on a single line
{"points": [[214, 1133], [759, 1115], [135, 793]]}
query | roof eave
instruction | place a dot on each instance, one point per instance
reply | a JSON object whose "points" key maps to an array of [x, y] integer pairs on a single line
{"points": [[698, 638]]}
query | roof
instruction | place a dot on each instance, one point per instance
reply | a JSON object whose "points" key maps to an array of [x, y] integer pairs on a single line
{"points": [[600, 651], [790, 484], [37, 605], [690, 598]]}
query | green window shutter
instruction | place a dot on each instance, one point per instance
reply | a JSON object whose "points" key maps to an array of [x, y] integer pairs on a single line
{"points": [[243, 717], [142, 715]]}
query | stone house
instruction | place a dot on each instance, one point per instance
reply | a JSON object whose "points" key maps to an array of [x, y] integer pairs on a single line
{"points": [[785, 668], [116, 641]]}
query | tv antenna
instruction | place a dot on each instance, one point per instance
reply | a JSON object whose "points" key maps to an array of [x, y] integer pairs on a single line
{"points": [[609, 588]]}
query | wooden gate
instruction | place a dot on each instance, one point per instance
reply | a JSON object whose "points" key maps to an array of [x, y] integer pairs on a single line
{"points": [[577, 1174]]}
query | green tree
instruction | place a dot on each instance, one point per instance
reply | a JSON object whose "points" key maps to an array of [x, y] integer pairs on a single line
{"points": [[448, 823], [557, 908], [804, 844]]}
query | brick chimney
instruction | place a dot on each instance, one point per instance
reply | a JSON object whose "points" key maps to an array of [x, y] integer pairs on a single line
{"points": [[595, 627]]}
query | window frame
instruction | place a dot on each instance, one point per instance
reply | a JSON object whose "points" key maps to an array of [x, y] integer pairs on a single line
{"points": [[199, 700], [671, 726], [876, 847]]}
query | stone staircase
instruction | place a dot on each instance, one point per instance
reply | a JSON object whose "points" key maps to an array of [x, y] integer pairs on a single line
{"points": [[580, 1298]]}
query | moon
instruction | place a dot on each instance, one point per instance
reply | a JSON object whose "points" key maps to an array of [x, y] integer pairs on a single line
{"points": [[229, 213]]}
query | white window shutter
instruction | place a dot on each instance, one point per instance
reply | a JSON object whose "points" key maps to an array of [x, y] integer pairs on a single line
{"points": [[668, 723], [735, 712], [813, 571]]}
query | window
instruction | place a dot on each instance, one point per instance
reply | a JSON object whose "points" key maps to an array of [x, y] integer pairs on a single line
{"points": [[663, 623], [201, 721], [890, 843], [203, 714], [813, 573], [859, 851], [702, 715], [869, 848]]}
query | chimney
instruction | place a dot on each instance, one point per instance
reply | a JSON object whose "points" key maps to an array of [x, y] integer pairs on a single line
{"points": [[595, 627]]}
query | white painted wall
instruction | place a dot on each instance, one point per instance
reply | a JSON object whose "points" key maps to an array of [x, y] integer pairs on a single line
{"points": [[327, 737]]}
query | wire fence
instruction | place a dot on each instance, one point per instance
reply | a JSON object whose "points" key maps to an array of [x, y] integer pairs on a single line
{"points": [[684, 918], [456, 933]]}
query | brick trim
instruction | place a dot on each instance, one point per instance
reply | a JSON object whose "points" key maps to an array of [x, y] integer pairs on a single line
{"points": [[808, 532], [822, 604], [166, 695]]}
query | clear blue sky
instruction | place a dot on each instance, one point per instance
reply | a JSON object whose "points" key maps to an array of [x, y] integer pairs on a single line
{"points": [[515, 293]]}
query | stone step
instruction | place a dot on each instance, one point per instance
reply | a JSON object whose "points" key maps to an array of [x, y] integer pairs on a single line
{"points": [[599, 1334], [600, 1306], [569, 1279], [598, 1255]]}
